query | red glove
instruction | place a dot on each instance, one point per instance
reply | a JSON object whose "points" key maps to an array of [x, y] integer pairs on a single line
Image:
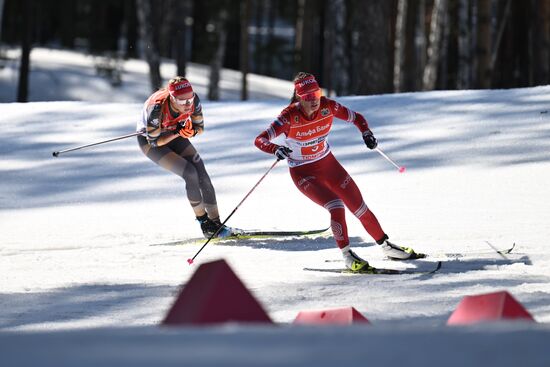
{"points": [[186, 131]]}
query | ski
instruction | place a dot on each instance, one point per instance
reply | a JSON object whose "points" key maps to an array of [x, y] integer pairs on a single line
{"points": [[505, 251], [502, 252], [241, 235], [244, 234], [378, 271]]}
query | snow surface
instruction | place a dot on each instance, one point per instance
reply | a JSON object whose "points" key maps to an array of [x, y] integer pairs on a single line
{"points": [[81, 284], [58, 75]]}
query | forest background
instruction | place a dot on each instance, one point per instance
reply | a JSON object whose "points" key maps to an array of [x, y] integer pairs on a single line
{"points": [[354, 47]]}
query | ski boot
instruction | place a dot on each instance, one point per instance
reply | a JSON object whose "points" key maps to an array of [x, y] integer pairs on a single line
{"points": [[394, 252], [210, 226], [354, 262]]}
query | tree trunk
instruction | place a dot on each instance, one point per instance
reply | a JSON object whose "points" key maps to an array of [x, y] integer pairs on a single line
{"points": [[244, 52], [500, 33], [531, 30], [271, 19], [1, 16], [464, 55], [306, 44], [299, 35], [67, 24], [144, 15], [373, 48], [217, 61], [257, 42], [421, 43], [339, 72], [410, 61], [543, 74], [329, 37], [399, 53], [436, 32], [26, 40], [130, 21], [164, 29], [266, 35], [182, 22], [484, 44], [103, 36], [443, 80]]}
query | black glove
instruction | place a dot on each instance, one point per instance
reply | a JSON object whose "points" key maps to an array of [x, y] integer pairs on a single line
{"points": [[370, 140], [282, 152], [154, 116]]}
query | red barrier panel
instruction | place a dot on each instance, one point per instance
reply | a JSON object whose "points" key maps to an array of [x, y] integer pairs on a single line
{"points": [[215, 294], [335, 316], [488, 307]]}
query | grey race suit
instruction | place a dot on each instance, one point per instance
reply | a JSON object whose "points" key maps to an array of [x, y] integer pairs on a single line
{"points": [[179, 156]]}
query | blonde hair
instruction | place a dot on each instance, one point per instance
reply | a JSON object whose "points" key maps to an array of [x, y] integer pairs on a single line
{"points": [[176, 79]]}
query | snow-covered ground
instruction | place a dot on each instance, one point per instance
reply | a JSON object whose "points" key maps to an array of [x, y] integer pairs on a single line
{"points": [[81, 284], [58, 75]]}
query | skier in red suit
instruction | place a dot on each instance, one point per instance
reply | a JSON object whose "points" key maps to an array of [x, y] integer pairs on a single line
{"points": [[306, 123]]}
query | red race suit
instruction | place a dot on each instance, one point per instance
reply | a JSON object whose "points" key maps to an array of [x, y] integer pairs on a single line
{"points": [[313, 168]]}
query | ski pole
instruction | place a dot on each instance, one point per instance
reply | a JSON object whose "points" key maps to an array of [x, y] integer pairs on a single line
{"points": [[57, 153], [190, 260], [401, 169]]}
